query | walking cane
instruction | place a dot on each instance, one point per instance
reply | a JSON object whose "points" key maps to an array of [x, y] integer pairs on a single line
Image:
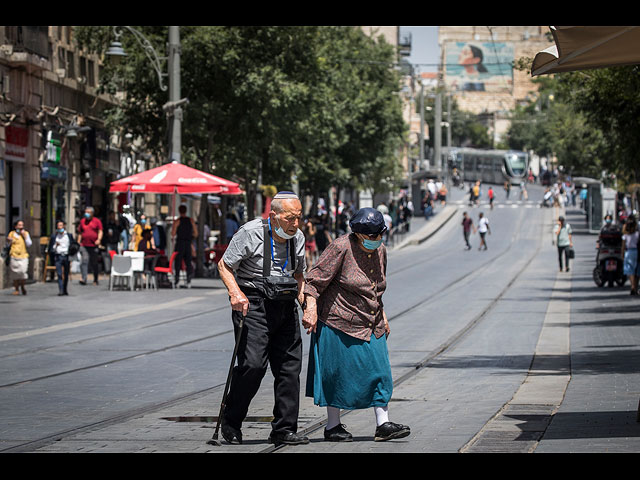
{"points": [[214, 440]]}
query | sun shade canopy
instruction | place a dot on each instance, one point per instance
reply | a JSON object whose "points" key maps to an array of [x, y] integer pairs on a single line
{"points": [[582, 48], [175, 178]]}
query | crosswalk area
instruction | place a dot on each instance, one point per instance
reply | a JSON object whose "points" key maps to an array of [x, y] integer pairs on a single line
{"points": [[503, 204]]}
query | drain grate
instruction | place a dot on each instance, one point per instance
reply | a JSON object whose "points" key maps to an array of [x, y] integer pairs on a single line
{"points": [[212, 419]]}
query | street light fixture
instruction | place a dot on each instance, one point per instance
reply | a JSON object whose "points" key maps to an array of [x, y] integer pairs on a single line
{"points": [[173, 106]]}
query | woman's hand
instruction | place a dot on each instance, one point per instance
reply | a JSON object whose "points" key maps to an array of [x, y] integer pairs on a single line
{"points": [[386, 323], [310, 316]]}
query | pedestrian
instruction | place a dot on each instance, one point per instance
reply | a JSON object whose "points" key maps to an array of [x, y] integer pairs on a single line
{"points": [[271, 329], [111, 239], [442, 194], [564, 241], [90, 238], [183, 232], [427, 205], [483, 228], [231, 226], [476, 193], [20, 241], [323, 237], [467, 225], [310, 247], [490, 195], [348, 360], [60, 249], [507, 189], [630, 237], [143, 224]]}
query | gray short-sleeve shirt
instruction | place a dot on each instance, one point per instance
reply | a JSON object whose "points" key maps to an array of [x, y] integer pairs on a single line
{"points": [[245, 251]]}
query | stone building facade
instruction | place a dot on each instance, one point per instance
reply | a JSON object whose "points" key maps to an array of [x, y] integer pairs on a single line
{"points": [[55, 155], [496, 90]]}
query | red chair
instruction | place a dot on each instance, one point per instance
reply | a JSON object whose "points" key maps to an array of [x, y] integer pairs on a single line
{"points": [[169, 270]]}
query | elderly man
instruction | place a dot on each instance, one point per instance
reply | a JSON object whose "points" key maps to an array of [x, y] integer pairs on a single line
{"points": [[270, 333]]}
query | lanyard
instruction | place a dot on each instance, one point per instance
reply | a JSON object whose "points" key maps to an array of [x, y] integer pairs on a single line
{"points": [[273, 257]]}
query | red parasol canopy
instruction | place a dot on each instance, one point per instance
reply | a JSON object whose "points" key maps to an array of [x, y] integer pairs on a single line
{"points": [[175, 178]]}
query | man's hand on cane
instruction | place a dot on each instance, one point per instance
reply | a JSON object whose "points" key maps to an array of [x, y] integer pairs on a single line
{"points": [[239, 302]]}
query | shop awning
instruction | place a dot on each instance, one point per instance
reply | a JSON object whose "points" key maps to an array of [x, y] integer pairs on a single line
{"points": [[175, 178], [582, 48]]}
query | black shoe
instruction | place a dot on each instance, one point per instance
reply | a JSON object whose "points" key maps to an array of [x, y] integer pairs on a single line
{"points": [[287, 438], [337, 434], [60, 294], [231, 434], [82, 282], [390, 430]]}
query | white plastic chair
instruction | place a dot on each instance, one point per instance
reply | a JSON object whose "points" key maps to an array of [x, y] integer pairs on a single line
{"points": [[137, 262], [121, 267]]}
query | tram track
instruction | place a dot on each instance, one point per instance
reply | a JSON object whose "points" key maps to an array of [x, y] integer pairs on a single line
{"points": [[123, 416]]}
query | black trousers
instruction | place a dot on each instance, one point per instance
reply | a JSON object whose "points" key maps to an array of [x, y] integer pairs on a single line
{"points": [[270, 336], [183, 251], [564, 250]]}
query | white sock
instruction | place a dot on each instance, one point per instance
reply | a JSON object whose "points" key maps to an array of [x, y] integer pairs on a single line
{"points": [[382, 414], [333, 417]]}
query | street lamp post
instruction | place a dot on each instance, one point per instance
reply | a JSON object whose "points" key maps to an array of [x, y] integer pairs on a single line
{"points": [[173, 107]]}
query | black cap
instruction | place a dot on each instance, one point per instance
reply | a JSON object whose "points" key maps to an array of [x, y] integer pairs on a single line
{"points": [[368, 221]]}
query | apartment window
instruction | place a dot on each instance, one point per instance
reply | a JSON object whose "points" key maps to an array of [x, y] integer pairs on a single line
{"points": [[92, 76], [71, 70], [83, 67]]}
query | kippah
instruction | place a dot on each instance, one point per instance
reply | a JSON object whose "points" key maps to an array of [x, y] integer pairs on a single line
{"points": [[285, 195]]}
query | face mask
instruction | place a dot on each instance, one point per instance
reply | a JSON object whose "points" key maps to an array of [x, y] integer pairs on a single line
{"points": [[61, 230], [143, 222], [281, 233], [87, 215], [371, 244], [608, 220]]}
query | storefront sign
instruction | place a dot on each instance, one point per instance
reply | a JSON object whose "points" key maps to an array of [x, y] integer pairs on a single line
{"points": [[52, 171], [17, 140]]}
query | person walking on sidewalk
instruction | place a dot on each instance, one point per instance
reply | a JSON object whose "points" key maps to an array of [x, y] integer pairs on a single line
{"points": [[348, 360], [630, 236], [483, 228], [271, 331], [467, 225], [564, 241], [183, 232], [59, 246], [89, 237], [20, 240], [490, 194]]}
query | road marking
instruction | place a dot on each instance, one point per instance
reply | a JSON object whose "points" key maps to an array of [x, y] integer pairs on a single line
{"points": [[101, 319]]}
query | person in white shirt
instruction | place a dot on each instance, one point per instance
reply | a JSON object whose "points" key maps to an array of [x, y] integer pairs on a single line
{"points": [[59, 245], [483, 228]]}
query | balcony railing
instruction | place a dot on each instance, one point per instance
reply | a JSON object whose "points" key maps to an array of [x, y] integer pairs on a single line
{"points": [[28, 39]]}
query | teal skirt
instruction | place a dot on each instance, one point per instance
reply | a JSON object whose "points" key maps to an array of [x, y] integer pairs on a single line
{"points": [[348, 373]]}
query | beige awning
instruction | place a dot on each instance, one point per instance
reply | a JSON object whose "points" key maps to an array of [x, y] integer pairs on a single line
{"points": [[582, 48]]}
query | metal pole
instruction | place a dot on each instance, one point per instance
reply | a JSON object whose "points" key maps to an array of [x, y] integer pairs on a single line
{"points": [[437, 141], [174, 94], [421, 125]]}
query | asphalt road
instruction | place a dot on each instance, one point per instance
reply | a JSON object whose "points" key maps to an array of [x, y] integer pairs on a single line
{"points": [[121, 371]]}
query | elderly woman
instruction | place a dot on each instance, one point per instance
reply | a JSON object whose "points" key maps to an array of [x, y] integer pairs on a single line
{"points": [[19, 256], [348, 360]]}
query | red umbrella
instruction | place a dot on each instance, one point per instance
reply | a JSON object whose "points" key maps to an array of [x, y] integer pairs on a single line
{"points": [[175, 178]]}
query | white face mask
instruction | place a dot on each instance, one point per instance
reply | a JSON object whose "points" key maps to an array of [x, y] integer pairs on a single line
{"points": [[281, 233]]}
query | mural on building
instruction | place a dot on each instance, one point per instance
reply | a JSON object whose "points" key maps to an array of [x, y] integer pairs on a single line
{"points": [[479, 67]]}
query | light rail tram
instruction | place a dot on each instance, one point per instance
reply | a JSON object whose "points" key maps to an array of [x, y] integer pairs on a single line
{"points": [[488, 166]]}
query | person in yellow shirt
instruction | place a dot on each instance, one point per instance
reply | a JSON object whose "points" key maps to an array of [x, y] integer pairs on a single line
{"points": [[143, 224], [19, 256]]}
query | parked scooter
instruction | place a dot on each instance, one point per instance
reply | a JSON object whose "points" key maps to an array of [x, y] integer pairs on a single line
{"points": [[609, 260]]}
